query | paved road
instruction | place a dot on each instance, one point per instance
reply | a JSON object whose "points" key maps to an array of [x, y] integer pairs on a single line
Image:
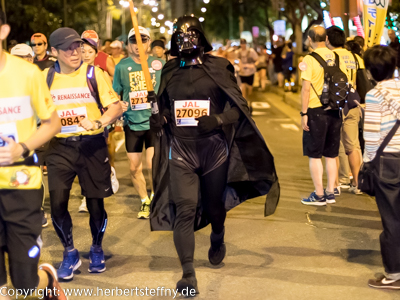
{"points": [[298, 253]]}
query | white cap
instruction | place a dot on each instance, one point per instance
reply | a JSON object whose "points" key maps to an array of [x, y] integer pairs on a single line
{"points": [[22, 50], [116, 44], [142, 30]]}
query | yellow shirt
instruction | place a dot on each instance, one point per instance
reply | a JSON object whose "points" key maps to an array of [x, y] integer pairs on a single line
{"points": [[312, 71], [74, 102], [118, 59], [24, 96], [348, 64]]}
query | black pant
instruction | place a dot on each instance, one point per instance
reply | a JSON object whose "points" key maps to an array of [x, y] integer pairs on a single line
{"points": [[185, 181], [62, 221], [388, 201]]}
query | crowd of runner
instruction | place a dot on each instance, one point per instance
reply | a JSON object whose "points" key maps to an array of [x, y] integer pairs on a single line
{"points": [[207, 156]]}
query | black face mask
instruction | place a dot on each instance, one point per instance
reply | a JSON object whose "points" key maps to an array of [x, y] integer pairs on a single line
{"points": [[188, 41]]}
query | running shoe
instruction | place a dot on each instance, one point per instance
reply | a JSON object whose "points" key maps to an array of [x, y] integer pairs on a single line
{"points": [[71, 262], [337, 191], [83, 206], [187, 284], [97, 262], [330, 198], [354, 190], [144, 212], [313, 199], [344, 186], [45, 223], [56, 292], [114, 181], [384, 283]]}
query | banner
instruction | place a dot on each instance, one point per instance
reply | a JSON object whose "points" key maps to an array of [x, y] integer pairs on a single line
{"points": [[374, 12]]}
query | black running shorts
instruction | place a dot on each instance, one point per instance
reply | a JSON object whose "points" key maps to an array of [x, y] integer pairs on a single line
{"points": [[21, 224], [86, 158], [247, 79], [134, 140], [323, 139]]}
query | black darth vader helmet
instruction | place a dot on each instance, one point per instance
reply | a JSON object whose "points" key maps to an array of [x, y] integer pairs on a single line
{"points": [[187, 36]]}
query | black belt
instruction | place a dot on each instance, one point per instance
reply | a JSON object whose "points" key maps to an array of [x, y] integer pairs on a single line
{"points": [[78, 138], [29, 161]]}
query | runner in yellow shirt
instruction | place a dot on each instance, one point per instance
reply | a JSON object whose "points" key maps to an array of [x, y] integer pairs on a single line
{"points": [[24, 96], [79, 92]]}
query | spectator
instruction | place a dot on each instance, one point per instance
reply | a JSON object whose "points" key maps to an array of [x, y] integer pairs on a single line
{"points": [[360, 40], [277, 60], [231, 55], [116, 52], [158, 49], [220, 52], [23, 51], [394, 40], [335, 41], [262, 65], [321, 128], [354, 47], [248, 57], [39, 46], [381, 113], [287, 66]]}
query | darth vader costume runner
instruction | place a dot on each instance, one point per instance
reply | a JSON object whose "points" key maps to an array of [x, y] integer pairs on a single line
{"points": [[211, 156]]}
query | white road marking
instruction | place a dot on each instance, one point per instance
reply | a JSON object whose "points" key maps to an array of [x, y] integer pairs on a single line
{"points": [[260, 105], [258, 113], [290, 126]]}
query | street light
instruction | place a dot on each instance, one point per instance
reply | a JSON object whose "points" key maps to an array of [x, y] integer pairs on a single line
{"points": [[154, 9], [160, 16], [162, 29], [203, 9], [201, 19], [206, 1]]}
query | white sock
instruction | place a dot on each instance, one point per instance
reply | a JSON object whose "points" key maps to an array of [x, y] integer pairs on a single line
{"points": [[145, 199]]}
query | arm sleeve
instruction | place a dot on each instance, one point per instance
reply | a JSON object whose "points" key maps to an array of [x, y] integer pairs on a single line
{"points": [[372, 126], [42, 101], [106, 94]]}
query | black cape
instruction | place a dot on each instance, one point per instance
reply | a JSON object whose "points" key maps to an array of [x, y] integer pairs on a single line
{"points": [[251, 171]]}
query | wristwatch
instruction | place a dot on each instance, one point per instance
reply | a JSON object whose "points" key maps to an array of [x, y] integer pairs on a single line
{"points": [[303, 114], [26, 151], [98, 124]]}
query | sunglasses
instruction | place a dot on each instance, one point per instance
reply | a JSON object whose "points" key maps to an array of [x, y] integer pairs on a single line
{"points": [[38, 44], [133, 40]]}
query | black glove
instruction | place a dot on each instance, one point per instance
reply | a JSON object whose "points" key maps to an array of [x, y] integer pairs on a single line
{"points": [[207, 124]]}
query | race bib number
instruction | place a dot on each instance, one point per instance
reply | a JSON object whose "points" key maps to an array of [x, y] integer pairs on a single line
{"points": [[70, 119], [8, 130], [139, 100], [186, 111]]}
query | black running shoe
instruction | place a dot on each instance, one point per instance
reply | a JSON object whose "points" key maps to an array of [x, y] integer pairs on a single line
{"points": [[187, 284], [45, 223], [217, 255]]}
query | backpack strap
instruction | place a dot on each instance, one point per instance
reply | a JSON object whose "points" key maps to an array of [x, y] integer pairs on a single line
{"points": [[93, 87], [337, 60], [321, 61], [50, 76]]}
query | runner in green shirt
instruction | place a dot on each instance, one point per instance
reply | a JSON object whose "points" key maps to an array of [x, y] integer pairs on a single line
{"points": [[130, 84]]}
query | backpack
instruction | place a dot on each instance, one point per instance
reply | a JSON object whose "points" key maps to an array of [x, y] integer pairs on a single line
{"points": [[91, 81], [363, 82], [336, 88]]}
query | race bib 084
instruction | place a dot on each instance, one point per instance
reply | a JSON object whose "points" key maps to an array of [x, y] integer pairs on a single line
{"points": [[186, 111], [8, 130], [139, 100], [70, 119]]}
